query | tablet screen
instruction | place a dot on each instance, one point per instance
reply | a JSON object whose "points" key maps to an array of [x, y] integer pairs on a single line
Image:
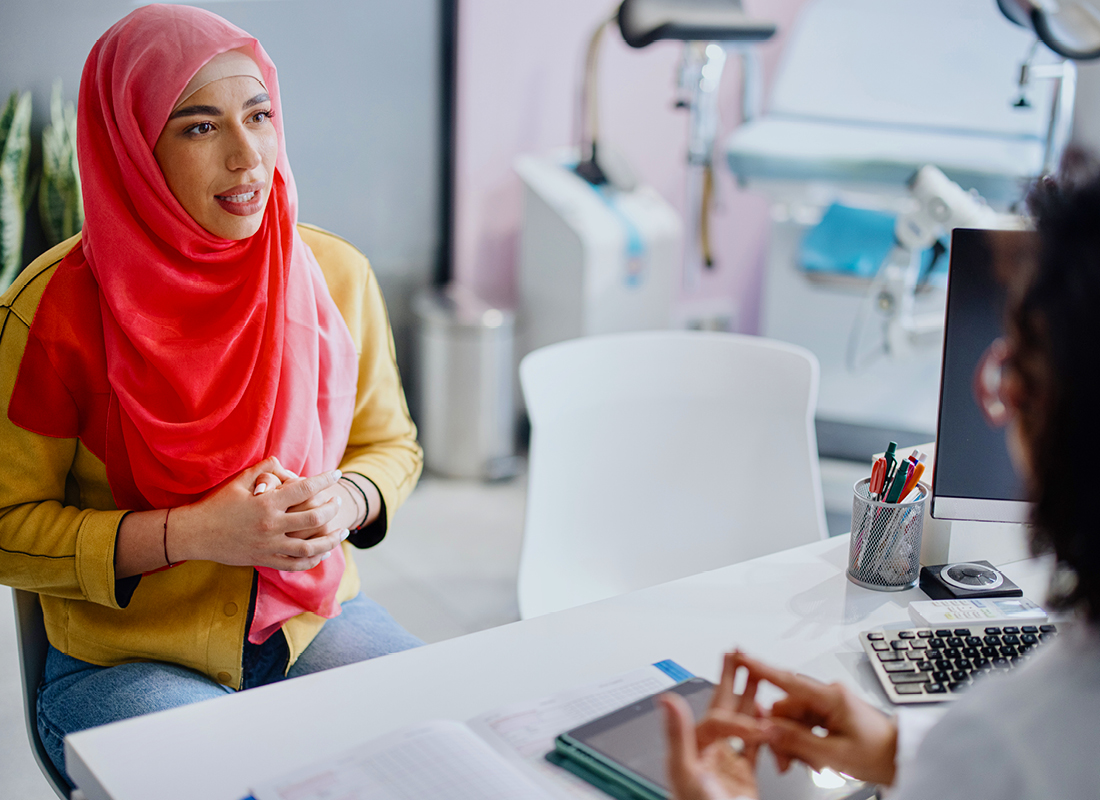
{"points": [[634, 736]]}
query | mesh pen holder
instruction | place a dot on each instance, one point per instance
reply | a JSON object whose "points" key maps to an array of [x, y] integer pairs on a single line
{"points": [[884, 553]]}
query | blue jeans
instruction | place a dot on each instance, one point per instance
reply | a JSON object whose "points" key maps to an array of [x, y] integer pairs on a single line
{"points": [[75, 695]]}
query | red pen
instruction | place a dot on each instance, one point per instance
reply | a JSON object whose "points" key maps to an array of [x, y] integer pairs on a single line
{"points": [[878, 478]]}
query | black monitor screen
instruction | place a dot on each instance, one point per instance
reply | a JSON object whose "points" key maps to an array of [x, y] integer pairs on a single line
{"points": [[974, 477]]}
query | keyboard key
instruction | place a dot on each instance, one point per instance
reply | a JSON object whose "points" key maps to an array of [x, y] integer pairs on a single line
{"points": [[899, 666], [943, 633], [1029, 629], [1008, 651], [880, 646], [955, 641], [909, 677], [925, 666], [1048, 628], [988, 652], [891, 656], [935, 688], [875, 637], [993, 630], [1000, 663], [958, 687], [970, 652], [981, 663], [927, 634], [941, 676], [937, 644], [898, 644], [962, 631], [908, 688], [958, 675], [919, 644], [1011, 639], [993, 640], [907, 635], [972, 641], [915, 655], [1011, 629]]}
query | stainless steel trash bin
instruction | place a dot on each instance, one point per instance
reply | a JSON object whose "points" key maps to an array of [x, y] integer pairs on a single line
{"points": [[465, 385]]}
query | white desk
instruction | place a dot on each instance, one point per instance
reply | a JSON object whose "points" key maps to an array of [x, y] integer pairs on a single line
{"points": [[794, 608]]}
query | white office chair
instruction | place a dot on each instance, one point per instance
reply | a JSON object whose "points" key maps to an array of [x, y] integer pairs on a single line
{"points": [[31, 633], [663, 454]]}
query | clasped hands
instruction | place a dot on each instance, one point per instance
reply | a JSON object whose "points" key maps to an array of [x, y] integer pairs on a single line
{"points": [[277, 520], [822, 725]]}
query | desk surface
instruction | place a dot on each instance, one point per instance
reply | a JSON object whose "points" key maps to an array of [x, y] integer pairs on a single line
{"points": [[794, 608]]}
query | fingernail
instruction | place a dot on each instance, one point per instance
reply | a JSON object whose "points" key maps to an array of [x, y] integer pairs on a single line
{"points": [[326, 555], [260, 489], [345, 534], [336, 474], [339, 500]]}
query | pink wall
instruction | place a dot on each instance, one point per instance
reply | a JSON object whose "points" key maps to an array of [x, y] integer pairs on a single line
{"points": [[518, 66]]}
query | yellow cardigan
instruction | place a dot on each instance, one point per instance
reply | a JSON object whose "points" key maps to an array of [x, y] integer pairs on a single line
{"points": [[58, 520]]}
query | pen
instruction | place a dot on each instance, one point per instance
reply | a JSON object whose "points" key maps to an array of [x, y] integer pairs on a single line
{"points": [[891, 460], [898, 483], [878, 478], [914, 476]]}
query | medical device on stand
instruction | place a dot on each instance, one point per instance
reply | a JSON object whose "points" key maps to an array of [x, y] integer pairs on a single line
{"points": [[940, 205], [599, 253], [868, 93]]}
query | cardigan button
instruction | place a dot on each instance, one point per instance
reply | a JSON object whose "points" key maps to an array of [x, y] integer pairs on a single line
{"points": [[230, 609], [224, 677]]}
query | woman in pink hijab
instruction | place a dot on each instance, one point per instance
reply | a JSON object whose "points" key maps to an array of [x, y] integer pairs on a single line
{"points": [[203, 411]]}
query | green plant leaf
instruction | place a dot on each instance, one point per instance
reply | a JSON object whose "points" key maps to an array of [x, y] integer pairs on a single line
{"points": [[14, 158], [60, 204]]}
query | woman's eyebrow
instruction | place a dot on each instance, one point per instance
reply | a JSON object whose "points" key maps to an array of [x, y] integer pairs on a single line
{"points": [[190, 111], [262, 97]]}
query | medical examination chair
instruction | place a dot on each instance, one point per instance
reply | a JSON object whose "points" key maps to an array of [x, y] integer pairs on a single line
{"points": [[867, 92]]}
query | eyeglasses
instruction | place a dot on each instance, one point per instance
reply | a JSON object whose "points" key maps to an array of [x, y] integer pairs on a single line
{"points": [[989, 385]]}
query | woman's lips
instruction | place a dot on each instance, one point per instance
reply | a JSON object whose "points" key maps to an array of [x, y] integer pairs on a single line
{"points": [[242, 201]]}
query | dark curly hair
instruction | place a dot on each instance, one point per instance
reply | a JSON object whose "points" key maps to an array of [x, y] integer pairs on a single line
{"points": [[1054, 374]]}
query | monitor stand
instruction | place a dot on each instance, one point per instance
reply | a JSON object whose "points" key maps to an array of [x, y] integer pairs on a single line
{"points": [[947, 541]]}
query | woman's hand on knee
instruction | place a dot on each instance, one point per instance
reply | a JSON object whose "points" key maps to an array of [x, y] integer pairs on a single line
{"points": [[237, 525]]}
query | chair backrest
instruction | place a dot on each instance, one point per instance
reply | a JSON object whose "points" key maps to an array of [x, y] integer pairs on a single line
{"points": [[662, 454], [33, 645]]}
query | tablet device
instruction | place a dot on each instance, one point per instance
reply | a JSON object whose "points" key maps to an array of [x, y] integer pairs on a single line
{"points": [[627, 747]]}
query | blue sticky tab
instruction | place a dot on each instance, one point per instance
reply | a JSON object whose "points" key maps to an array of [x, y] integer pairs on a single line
{"points": [[673, 670]]}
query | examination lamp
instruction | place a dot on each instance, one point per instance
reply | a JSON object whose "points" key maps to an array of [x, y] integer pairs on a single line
{"points": [[1071, 28]]}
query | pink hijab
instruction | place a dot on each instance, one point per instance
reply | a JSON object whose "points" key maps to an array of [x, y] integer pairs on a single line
{"points": [[216, 353]]}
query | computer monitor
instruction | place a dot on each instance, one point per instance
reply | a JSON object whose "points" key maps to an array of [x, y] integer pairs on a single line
{"points": [[973, 477]]}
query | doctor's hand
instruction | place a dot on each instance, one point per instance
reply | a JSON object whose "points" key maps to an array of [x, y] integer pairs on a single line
{"points": [[858, 739], [715, 760], [236, 525]]}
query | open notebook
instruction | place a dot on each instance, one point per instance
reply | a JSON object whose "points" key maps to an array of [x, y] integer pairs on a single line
{"points": [[500, 754]]}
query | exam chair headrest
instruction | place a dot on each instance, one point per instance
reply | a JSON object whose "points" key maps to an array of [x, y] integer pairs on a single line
{"points": [[643, 22]]}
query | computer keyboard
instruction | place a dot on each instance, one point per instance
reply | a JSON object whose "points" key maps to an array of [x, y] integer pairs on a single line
{"points": [[932, 665]]}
